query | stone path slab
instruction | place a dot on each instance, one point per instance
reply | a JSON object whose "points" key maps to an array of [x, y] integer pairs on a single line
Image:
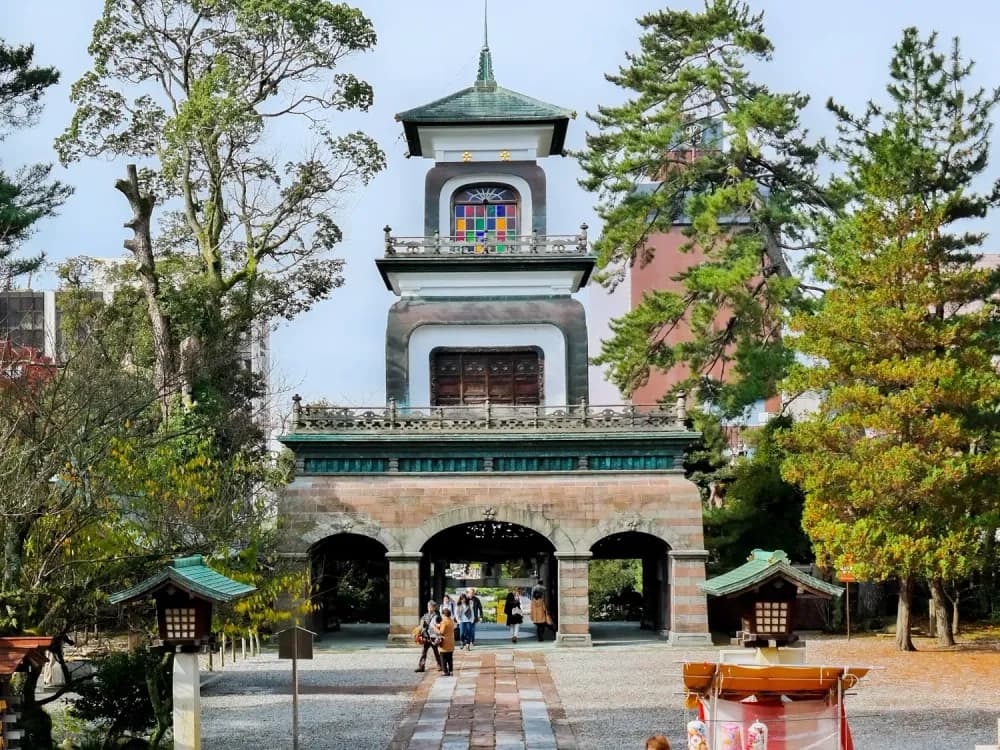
{"points": [[495, 701]]}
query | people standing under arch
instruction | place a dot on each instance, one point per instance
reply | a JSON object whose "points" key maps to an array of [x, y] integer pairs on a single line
{"points": [[463, 615], [477, 616], [446, 629], [429, 636], [539, 614], [512, 611]]}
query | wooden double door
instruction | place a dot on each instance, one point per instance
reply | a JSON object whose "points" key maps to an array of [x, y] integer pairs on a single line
{"points": [[461, 377]]}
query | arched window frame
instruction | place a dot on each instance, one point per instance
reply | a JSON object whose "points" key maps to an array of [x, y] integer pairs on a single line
{"points": [[456, 184], [485, 217]]}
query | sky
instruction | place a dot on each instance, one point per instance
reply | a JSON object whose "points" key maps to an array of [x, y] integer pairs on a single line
{"points": [[557, 51]]}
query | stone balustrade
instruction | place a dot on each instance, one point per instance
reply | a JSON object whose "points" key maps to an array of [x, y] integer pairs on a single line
{"points": [[529, 244], [393, 419]]}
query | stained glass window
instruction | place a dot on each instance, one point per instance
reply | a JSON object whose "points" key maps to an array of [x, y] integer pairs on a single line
{"points": [[485, 218]]}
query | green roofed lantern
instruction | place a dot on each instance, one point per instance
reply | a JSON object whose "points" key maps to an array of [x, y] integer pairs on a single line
{"points": [[184, 593], [762, 594]]}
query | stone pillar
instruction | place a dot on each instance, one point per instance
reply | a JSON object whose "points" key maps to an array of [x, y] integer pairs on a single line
{"points": [[404, 597], [187, 702], [573, 607], [656, 593], [688, 607]]}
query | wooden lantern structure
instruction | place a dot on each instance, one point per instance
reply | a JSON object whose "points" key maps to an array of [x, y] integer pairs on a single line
{"points": [[184, 593], [17, 654], [762, 595]]}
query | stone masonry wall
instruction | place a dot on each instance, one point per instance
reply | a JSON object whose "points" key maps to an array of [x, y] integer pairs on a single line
{"points": [[573, 511]]}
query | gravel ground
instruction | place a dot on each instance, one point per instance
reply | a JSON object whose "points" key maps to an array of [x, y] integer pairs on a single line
{"points": [[616, 696], [347, 699]]}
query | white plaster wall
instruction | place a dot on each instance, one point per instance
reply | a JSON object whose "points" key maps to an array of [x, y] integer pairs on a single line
{"points": [[485, 143], [490, 283], [545, 336], [455, 183], [603, 306]]}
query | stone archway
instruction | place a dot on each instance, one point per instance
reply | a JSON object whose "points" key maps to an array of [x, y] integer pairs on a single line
{"points": [[487, 554], [350, 578], [650, 608], [466, 514]]}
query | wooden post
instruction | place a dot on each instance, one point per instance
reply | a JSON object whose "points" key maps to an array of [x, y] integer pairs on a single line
{"points": [[295, 696], [847, 606], [222, 652]]}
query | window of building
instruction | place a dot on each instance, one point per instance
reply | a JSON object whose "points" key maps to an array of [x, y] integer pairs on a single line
{"points": [[462, 377], [22, 319], [486, 218]]}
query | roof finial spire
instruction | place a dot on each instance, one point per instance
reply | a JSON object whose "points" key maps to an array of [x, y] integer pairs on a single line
{"points": [[485, 76]]}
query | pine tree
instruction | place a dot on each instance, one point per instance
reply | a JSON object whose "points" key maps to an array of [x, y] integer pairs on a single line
{"points": [[27, 195], [899, 465], [727, 157]]}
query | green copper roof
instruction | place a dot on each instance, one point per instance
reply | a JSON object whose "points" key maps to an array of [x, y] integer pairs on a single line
{"points": [[761, 567], [189, 573], [485, 102]]}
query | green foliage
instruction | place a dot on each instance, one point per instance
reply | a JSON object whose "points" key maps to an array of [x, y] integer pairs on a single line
{"points": [[729, 161], [615, 589], [199, 89], [899, 465], [117, 699], [27, 195], [706, 461], [761, 510]]}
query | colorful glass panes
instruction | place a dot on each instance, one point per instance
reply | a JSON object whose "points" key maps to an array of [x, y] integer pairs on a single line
{"points": [[485, 219]]}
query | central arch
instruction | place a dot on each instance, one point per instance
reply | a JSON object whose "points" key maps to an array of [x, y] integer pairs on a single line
{"points": [[491, 556]]}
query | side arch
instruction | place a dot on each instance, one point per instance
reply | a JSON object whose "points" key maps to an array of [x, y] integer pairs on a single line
{"points": [[629, 522], [343, 524]]}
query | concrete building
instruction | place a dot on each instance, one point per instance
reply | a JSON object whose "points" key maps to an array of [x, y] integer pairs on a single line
{"points": [[488, 450]]}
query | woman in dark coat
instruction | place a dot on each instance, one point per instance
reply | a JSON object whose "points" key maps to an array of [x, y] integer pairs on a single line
{"points": [[512, 609]]}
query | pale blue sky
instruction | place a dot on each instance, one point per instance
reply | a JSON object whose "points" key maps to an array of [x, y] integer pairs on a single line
{"points": [[557, 51]]}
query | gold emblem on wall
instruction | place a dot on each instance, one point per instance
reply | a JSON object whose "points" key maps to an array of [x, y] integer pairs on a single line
{"points": [[466, 156], [505, 156]]}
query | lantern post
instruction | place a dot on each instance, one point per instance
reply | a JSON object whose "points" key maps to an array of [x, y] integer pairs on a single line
{"points": [[184, 593]]}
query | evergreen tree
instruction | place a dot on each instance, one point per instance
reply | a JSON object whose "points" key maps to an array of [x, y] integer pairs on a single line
{"points": [[727, 159], [26, 195], [761, 510], [899, 465]]}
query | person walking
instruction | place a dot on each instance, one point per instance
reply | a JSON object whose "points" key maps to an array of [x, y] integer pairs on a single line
{"points": [[512, 609], [446, 629], [463, 614], [477, 615], [429, 637], [447, 603], [539, 614]]}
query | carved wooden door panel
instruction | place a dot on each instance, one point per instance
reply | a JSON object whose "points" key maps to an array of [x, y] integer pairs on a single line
{"points": [[467, 377]]}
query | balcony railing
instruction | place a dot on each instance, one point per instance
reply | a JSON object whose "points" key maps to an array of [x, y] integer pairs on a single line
{"points": [[528, 244], [486, 417]]}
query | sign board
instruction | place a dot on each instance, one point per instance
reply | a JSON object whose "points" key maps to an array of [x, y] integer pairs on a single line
{"points": [[289, 649]]}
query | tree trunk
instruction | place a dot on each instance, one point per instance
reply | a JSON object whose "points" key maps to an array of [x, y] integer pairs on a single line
{"points": [[945, 637], [904, 642], [141, 247], [954, 598], [13, 555]]}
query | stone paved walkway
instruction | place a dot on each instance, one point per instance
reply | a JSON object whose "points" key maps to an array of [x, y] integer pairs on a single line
{"points": [[500, 700]]}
